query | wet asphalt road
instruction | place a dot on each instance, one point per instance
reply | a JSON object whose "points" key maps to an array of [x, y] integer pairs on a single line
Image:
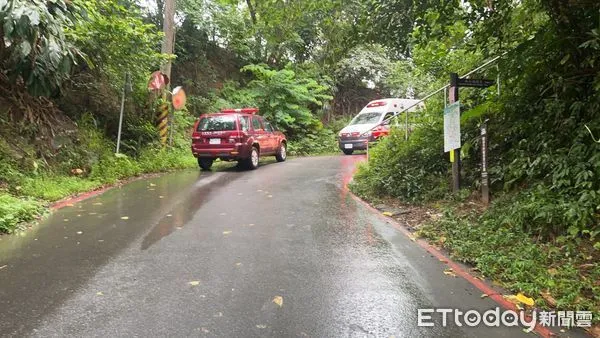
{"points": [[205, 254]]}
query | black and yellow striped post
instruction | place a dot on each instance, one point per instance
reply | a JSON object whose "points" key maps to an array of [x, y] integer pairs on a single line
{"points": [[162, 121]]}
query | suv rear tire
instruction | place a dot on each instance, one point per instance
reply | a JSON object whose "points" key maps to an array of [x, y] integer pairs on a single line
{"points": [[252, 161], [348, 151], [281, 152], [205, 163]]}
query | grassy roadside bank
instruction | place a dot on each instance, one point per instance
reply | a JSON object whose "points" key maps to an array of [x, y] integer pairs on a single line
{"points": [[556, 274], [29, 196]]}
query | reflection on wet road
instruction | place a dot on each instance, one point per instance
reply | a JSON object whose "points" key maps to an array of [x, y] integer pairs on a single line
{"points": [[280, 251]]}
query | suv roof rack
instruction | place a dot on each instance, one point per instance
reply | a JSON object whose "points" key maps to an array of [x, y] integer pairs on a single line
{"points": [[240, 110]]}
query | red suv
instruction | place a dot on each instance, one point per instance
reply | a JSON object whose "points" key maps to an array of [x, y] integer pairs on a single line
{"points": [[236, 135]]}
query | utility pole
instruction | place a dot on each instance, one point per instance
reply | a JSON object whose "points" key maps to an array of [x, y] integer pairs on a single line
{"points": [[168, 48], [169, 31]]}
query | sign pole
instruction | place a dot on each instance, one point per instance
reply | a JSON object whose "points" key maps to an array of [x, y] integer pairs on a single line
{"points": [[485, 180], [453, 97], [126, 88]]}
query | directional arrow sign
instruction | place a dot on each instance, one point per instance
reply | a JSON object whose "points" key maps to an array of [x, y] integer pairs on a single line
{"points": [[479, 83]]}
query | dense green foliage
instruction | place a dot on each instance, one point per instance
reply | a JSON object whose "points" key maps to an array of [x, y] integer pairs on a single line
{"points": [[35, 52], [541, 152], [508, 254], [14, 211], [283, 96], [407, 170]]}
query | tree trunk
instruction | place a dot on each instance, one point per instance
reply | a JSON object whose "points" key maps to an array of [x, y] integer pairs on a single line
{"points": [[254, 22]]}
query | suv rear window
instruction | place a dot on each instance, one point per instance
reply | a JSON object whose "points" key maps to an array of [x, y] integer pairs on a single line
{"points": [[217, 123]]}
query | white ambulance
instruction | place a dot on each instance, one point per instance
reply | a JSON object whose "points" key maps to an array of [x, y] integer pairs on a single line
{"points": [[360, 130]]}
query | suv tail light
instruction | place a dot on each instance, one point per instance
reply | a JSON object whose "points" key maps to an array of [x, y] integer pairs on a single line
{"points": [[237, 137]]}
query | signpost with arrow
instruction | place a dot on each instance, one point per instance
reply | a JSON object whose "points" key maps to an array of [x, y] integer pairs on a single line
{"points": [[454, 149]]}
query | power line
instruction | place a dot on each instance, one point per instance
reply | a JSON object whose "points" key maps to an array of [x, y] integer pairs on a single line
{"points": [[485, 64]]}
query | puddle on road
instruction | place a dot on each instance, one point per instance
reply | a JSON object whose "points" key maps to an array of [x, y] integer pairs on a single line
{"points": [[183, 212]]}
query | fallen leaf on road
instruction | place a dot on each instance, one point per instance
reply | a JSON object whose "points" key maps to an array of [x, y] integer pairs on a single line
{"points": [[260, 326], [152, 185], [92, 213], [270, 196], [66, 219], [169, 215], [97, 203], [79, 215], [484, 295], [79, 232], [525, 300], [519, 299], [449, 272], [161, 196], [124, 218], [278, 300], [387, 213], [220, 314], [238, 264], [151, 189], [3, 266], [99, 294], [226, 232], [70, 204], [194, 283]]}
